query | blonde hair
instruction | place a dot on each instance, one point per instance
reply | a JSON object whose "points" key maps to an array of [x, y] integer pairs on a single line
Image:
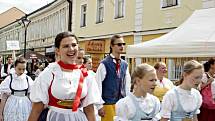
{"points": [[188, 68], [139, 72]]}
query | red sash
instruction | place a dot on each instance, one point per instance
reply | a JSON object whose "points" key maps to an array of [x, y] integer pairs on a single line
{"points": [[78, 94]]}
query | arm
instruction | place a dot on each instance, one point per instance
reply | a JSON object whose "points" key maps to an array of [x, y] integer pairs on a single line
{"points": [[89, 112], [128, 81], [100, 76], [2, 104], [37, 108]]}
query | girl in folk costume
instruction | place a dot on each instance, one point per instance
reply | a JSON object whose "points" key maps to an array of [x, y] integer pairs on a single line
{"points": [[162, 84], [63, 87], [88, 65], [207, 110], [15, 104], [182, 103], [140, 105]]}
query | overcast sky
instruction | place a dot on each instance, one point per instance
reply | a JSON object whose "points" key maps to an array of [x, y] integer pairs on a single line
{"points": [[26, 6]]}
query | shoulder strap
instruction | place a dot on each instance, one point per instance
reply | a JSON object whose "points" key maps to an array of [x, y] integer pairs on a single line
{"points": [[11, 78]]}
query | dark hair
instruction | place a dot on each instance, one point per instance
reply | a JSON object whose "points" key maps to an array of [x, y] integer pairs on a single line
{"points": [[113, 39], [20, 60], [61, 36], [207, 65], [86, 58], [9, 57], [188, 68]]}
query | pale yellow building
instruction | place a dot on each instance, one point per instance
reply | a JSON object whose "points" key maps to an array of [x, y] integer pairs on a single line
{"points": [[136, 20]]}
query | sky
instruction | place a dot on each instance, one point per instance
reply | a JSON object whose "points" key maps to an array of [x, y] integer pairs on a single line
{"points": [[27, 6]]}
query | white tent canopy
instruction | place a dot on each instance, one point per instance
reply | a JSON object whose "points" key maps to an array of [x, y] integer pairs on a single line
{"points": [[194, 38]]}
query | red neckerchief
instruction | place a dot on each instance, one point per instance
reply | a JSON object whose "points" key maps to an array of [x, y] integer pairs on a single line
{"points": [[117, 66], [67, 66]]}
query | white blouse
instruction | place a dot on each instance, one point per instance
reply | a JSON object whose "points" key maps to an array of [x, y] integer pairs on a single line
{"points": [[64, 86], [165, 83], [18, 83], [190, 100], [125, 108]]}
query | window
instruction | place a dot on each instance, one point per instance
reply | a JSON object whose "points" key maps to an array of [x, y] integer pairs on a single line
{"points": [[169, 3], [83, 15], [100, 11], [119, 8]]}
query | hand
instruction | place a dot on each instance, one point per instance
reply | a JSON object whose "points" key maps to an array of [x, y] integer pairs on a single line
{"points": [[1, 117], [101, 112]]}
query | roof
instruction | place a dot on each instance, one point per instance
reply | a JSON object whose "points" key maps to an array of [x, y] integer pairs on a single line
{"points": [[10, 16]]}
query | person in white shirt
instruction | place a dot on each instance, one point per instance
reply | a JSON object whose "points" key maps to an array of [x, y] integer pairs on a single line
{"points": [[163, 84], [141, 104], [69, 93], [113, 78], [182, 103], [88, 65], [15, 103], [6, 69]]}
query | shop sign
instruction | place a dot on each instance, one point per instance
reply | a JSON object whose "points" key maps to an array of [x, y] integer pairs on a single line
{"points": [[95, 46]]}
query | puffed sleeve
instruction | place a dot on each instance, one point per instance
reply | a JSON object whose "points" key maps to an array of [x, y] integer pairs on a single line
{"points": [[199, 96], [4, 86], [39, 89], [167, 105], [125, 109], [157, 111], [93, 94]]}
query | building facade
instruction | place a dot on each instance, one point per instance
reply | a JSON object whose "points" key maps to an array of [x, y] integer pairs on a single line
{"points": [[95, 21]]}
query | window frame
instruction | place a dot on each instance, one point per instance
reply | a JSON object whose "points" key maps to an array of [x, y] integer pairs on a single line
{"points": [[166, 3], [100, 14], [83, 19], [117, 8]]}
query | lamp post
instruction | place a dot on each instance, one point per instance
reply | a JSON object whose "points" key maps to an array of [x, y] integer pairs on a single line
{"points": [[70, 16], [25, 22]]}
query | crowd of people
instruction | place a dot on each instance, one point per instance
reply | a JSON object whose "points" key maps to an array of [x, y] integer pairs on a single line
{"points": [[69, 90]]}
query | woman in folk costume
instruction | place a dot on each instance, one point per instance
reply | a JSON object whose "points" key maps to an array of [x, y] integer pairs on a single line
{"points": [[207, 110], [88, 65], [141, 104], [162, 84], [15, 104], [64, 87], [182, 103]]}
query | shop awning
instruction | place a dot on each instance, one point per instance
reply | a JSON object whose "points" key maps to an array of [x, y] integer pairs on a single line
{"points": [[194, 38]]}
